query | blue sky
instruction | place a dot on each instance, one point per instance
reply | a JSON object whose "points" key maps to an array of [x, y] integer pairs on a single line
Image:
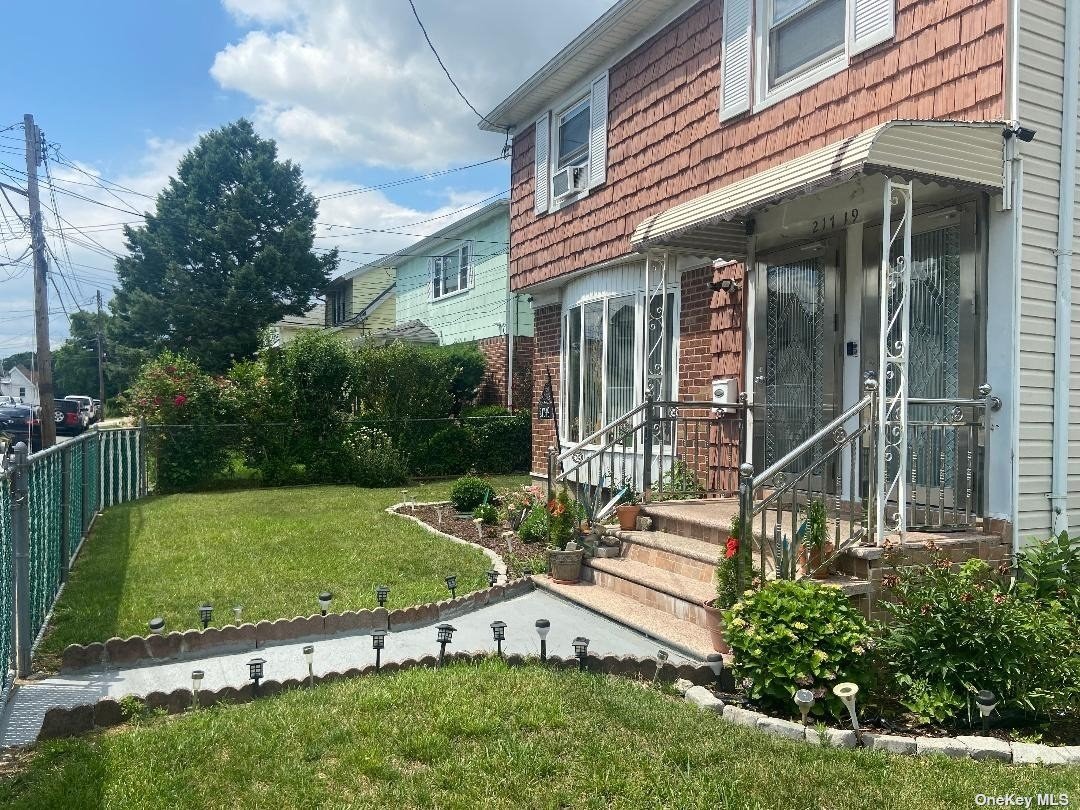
{"points": [[346, 87]]}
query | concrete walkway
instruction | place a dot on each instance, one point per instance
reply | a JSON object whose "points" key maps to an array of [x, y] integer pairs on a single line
{"points": [[21, 718]]}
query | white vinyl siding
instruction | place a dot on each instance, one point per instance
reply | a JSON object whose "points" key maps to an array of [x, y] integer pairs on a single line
{"points": [[1041, 80]]}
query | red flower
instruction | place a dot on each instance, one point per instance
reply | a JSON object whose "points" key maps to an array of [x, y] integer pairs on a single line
{"points": [[157, 400], [732, 548], [179, 400]]}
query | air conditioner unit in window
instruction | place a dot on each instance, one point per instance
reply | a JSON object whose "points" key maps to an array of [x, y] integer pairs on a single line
{"points": [[569, 181]]}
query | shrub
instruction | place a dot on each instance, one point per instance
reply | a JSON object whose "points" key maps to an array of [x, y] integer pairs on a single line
{"points": [[534, 528], [792, 635], [956, 630], [488, 513], [468, 492], [449, 451], [564, 517], [374, 460], [502, 442], [517, 503], [1049, 571]]}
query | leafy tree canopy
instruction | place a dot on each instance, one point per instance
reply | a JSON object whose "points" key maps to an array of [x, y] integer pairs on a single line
{"points": [[227, 252]]}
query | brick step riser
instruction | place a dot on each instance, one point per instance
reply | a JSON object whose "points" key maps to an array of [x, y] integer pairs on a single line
{"points": [[687, 528], [669, 561], [680, 608]]}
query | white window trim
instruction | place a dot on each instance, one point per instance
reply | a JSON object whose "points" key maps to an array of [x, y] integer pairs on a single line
{"points": [[470, 278], [557, 112], [763, 96]]}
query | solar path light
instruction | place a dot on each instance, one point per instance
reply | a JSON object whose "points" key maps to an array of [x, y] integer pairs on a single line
{"points": [[325, 598], [445, 636], [451, 585], [804, 699], [987, 701], [206, 613], [846, 692], [196, 682], [156, 625], [581, 650], [255, 671], [378, 641], [309, 656], [543, 627], [498, 630]]}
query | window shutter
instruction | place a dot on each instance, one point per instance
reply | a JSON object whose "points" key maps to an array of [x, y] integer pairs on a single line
{"points": [[542, 190], [870, 22], [598, 126], [736, 58], [465, 265]]}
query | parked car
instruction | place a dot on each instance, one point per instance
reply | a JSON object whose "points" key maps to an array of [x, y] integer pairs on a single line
{"points": [[70, 418], [86, 408], [21, 422], [7, 400]]}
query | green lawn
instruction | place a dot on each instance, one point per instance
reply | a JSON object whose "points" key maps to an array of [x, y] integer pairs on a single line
{"points": [[485, 736], [270, 550]]}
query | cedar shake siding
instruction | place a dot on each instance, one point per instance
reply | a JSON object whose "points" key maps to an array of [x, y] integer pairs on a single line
{"points": [[666, 143]]}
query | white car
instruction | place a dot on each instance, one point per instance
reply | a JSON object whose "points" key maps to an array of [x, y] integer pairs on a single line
{"points": [[86, 408]]}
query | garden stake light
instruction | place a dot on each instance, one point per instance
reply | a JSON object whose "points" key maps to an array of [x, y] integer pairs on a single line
{"points": [[206, 612], [804, 699], [378, 641], [498, 630], [255, 671], [987, 702], [238, 611], [493, 578], [324, 601], [309, 655], [412, 501], [451, 584], [543, 627], [846, 692], [446, 634], [156, 625], [381, 594], [196, 682], [438, 513], [479, 523], [716, 664], [581, 649], [661, 658]]}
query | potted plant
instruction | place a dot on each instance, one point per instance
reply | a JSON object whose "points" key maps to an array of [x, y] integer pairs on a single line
{"points": [[564, 554], [630, 507], [726, 588], [817, 550]]}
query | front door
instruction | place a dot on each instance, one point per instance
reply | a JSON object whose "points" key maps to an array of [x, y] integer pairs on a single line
{"points": [[795, 375]]}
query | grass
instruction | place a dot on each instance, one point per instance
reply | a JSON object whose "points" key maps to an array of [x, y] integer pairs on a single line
{"points": [[270, 550], [487, 736]]}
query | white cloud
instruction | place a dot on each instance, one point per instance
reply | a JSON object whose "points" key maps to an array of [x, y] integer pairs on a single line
{"points": [[341, 82]]}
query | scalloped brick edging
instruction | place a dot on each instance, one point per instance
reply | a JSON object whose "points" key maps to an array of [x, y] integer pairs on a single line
{"points": [[136, 650], [959, 747], [60, 722]]}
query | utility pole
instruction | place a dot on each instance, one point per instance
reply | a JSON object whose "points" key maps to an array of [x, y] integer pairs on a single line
{"points": [[100, 359], [41, 289]]}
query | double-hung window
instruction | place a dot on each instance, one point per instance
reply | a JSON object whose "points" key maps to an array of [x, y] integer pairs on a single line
{"points": [[450, 272], [803, 34], [572, 149], [337, 301]]}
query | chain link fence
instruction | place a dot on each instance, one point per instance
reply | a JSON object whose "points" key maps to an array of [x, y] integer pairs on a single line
{"points": [[48, 502]]}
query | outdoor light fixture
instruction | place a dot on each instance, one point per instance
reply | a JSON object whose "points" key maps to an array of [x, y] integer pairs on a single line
{"points": [[206, 612], [493, 577], [255, 671], [196, 682], [661, 659], [498, 630], [438, 513], [726, 285], [309, 656], [987, 702], [324, 601], [846, 692], [804, 699], [479, 524], [378, 641], [451, 584], [412, 501], [446, 634], [581, 649], [543, 627], [716, 664], [238, 611], [404, 497], [381, 594], [156, 625]]}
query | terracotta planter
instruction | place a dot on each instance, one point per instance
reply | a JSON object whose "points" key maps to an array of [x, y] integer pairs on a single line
{"points": [[814, 561], [564, 566], [716, 627], [628, 515]]}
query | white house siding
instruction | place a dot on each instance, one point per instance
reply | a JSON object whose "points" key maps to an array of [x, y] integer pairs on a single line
{"points": [[1041, 78]]}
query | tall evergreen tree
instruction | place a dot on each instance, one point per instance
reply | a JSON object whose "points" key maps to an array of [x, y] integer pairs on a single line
{"points": [[227, 252]]}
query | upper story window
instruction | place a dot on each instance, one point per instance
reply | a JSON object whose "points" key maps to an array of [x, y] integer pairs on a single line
{"points": [[802, 35], [337, 303], [450, 272], [574, 135]]}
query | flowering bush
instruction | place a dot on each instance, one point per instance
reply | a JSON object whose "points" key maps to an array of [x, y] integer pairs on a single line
{"points": [[791, 635], [516, 503], [182, 407], [956, 630], [564, 517], [534, 527], [727, 569]]}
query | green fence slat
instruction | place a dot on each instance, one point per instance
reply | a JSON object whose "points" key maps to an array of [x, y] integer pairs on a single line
{"points": [[7, 596]]}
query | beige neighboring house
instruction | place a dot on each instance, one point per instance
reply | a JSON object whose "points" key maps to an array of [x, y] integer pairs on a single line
{"points": [[285, 330], [355, 306], [21, 383]]}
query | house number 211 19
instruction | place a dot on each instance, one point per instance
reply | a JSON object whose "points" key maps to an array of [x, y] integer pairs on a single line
{"points": [[839, 219]]}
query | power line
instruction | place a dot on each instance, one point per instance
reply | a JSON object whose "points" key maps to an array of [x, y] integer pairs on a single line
{"points": [[406, 180]]}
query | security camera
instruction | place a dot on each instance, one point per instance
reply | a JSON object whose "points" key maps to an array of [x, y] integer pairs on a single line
{"points": [[1026, 134], [726, 285]]}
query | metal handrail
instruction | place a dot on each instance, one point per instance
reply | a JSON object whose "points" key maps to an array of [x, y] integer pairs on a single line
{"points": [[598, 432]]}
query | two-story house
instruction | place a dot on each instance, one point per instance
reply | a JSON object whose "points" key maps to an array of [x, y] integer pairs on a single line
{"points": [[21, 383], [453, 287], [708, 199]]}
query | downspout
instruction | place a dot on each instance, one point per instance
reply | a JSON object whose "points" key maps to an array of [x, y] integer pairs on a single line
{"points": [[1063, 312]]}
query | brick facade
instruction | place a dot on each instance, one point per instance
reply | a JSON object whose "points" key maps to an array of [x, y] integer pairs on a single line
{"points": [[493, 387], [547, 336], [667, 145]]}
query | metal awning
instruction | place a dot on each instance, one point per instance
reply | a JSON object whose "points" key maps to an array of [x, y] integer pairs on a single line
{"points": [[952, 153]]}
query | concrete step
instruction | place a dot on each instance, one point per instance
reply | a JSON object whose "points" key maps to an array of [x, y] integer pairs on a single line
{"points": [[667, 591], [685, 556], [920, 547], [708, 520], [657, 624]]}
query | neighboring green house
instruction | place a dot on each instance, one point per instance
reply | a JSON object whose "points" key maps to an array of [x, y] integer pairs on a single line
{"points": [[453, 287]]}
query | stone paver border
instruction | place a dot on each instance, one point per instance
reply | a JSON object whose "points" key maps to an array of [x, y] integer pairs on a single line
{"points": [[959, 747], [61, 722]]}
